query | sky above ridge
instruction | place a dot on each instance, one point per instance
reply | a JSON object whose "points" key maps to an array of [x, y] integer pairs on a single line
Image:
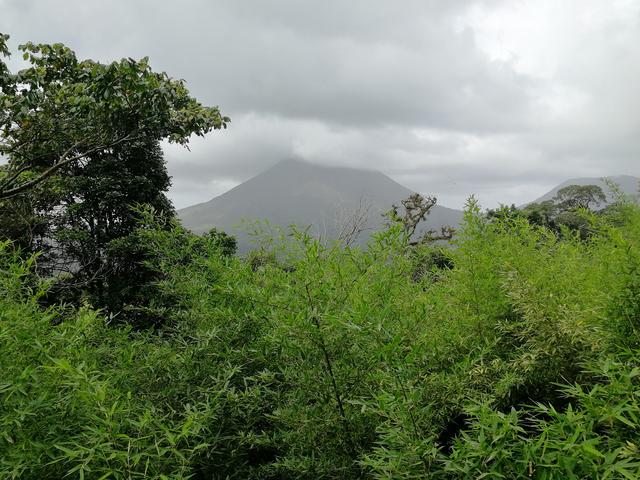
{"points": [[501, 99]]}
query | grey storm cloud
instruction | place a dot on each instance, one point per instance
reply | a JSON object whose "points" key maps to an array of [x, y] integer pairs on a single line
{"points": [[496, 98]]}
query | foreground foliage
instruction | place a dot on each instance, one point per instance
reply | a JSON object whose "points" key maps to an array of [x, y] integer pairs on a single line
{"points": [[512, 355]]}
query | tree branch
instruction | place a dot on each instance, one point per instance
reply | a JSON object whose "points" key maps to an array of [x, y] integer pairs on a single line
{"points": [[9, 180], [12, 192]]}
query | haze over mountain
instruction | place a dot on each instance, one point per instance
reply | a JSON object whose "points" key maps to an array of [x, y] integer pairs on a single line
{"points": [[295, 192]]}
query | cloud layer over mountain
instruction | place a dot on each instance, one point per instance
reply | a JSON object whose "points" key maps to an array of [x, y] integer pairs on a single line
{"points": [[499, 98]]}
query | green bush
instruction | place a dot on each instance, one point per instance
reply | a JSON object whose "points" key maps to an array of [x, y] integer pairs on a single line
{"points": [[513, 354]]}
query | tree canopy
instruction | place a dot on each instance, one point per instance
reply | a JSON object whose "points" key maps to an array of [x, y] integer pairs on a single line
{"points": [[82, 140], [60, 111], [572, 197], [562, 211]]}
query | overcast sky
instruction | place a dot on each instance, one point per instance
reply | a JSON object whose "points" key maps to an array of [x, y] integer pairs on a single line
{"points": [[502, 99]]}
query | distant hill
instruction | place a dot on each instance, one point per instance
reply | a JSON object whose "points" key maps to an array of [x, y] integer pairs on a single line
{"points": [[324, 198], [295, 192], [627, 183]]}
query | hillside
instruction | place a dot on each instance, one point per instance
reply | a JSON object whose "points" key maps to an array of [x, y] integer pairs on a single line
{"points": [[628, 184]]}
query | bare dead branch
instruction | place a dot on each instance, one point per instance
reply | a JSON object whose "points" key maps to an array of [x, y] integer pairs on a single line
{"points": [[352, 224]]}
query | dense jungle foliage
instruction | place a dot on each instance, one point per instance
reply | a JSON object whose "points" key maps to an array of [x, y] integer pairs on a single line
{"points": [[517, 357]]}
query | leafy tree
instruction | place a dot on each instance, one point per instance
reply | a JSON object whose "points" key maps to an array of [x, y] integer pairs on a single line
{"points": [[573, 197], [137, 288], [97, 204], [504, 212], [60, 111], [82, 140], [560, 212], [542, 213], [227, 244], [22, 220], [416, 208]]}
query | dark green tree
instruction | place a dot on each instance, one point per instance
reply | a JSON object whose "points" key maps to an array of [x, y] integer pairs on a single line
{"points": [[227, 244], [83, 146], [542, 214], [504, 212], [23, 220], [573, 197], [97, 204], [561, 211]]}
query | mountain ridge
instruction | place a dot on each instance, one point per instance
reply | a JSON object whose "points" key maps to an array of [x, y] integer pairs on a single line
{"points": [[628, 184], [301, 193], [324, 198]]}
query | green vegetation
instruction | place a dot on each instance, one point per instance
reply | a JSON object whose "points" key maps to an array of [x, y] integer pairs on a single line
{"points": [[83, 146], [513, 354], [518, 357]]}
